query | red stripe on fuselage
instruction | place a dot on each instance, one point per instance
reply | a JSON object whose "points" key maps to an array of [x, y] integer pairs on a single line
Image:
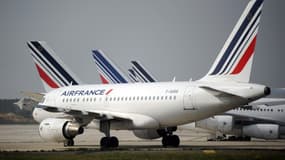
{"points": [[46, 78], [109, 92], [103, 80], [244, 59]]}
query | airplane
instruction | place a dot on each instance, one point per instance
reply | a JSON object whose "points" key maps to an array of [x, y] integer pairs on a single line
{"points": [[146, 108]]}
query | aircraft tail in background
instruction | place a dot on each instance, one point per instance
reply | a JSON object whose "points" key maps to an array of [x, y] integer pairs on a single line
{"points": [[53, 72]]}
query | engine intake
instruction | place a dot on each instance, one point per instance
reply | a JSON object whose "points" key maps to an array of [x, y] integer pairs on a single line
{"points": [[70, 130], [58, 130]]}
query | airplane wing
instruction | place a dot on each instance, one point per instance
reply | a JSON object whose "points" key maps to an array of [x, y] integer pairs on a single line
{"points": [[269, 101], [33, 95], [245, 118], [138, 120]]}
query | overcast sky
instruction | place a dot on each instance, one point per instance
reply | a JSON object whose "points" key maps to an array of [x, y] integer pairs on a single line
{"points": [[172, 38]]}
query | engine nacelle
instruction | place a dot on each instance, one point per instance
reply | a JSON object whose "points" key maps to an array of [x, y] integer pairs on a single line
{"points": [[263, 131], [146, 134], [223, 124], [58, 130]]}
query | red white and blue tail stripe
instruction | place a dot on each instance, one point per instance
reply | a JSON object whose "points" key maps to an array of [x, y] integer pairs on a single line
{"points": [[52, 70], [109, 73], [235, 59]]}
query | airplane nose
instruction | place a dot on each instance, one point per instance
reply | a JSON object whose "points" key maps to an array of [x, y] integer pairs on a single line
{"points": [[267, 91]]}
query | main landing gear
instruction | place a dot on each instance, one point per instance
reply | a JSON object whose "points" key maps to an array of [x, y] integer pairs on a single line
{"points": [[108, 141], [168, 139]]}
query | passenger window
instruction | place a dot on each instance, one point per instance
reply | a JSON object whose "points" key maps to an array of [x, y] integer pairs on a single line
{"points": [[83, 99], [87, 99], [126, 98], [122, 98], [145, 98], [138, 98], [170, 97], [130, 98], [174, 97], [110, 99], [63, 100], [134, 98], [161, 98], [157, 97], [165, 97], [77, 99], [94, 99], [141, 97], [153, 98]]}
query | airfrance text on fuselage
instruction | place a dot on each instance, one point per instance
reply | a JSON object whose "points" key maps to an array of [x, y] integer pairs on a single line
{"points": [[83, 92]]}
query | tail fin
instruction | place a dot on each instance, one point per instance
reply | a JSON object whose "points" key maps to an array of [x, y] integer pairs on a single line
{"points": [[52, 70], [133, 76], [235, 59], [108, 71], [142, 72]]}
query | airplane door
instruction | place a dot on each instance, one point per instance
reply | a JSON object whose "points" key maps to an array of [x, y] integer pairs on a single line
{"points": [[188, 99]]}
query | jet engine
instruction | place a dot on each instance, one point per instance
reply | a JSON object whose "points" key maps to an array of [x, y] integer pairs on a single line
{"points": [[146, 134], [58, 130], [264, 131], [223, 124]]}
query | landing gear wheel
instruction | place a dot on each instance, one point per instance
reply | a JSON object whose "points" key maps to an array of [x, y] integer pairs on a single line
{"points": [[104, 142], [171, 140], [114, 142], [69, 142], [109, 142]]}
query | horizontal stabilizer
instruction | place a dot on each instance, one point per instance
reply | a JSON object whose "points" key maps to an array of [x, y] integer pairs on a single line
{"points": [[222, 91]]}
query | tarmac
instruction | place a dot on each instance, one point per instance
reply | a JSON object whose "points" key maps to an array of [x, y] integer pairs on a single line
{"points": [[26, 138]]}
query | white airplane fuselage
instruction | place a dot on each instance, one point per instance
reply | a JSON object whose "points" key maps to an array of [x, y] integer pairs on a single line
{"points": [[153, 105]]}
